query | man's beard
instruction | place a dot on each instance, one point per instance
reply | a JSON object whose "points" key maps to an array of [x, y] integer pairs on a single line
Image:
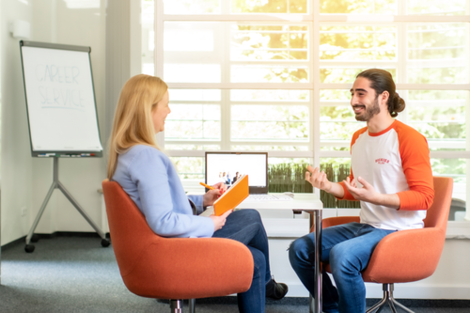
{"points": [[369, 111]]}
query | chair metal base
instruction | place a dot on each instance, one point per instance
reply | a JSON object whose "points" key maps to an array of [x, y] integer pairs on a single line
{"points": [[388, 299], [176, 306]]}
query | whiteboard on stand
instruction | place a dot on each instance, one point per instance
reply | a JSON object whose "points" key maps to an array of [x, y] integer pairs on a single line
{"points": [[60, 100]]}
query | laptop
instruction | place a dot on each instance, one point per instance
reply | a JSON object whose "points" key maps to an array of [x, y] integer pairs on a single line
{"points": [[227, 167]]}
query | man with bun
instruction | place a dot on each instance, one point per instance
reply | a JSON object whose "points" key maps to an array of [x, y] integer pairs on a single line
{"points": [[390, 175]]}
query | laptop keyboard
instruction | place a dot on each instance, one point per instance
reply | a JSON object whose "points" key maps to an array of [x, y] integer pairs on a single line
{"points": [[264, 197]]}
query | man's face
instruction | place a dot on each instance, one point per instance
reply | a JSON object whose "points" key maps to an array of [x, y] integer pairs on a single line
{"points": [[364, 101]]}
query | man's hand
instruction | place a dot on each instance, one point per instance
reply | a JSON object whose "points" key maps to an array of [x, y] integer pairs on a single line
{"points": [[317, 179], [368, 193], [212, 195]]}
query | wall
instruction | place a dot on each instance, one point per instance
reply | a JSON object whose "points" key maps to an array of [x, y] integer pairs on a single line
{"points": [[123, 52], [25, 181], [17, 165], [118, 56], [85, 26]]}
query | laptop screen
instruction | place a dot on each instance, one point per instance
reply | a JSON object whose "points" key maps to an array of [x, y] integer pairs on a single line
{"points": [[227, 167]]}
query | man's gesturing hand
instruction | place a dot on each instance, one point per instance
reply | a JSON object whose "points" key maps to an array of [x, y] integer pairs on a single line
{"points": [[317, 179], [365, 193], [369, 194]]}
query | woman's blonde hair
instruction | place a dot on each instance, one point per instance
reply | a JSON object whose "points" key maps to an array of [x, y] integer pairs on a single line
{"points": [[133, 121]]}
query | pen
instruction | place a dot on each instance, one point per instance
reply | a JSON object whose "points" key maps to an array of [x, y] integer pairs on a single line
{"points": [[207, 186]]}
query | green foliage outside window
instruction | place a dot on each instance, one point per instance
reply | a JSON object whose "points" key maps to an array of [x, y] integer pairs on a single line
{"points": [[336, 170], [455, 168], [288, 177]]}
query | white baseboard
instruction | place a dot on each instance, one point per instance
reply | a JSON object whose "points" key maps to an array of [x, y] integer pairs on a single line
{"points": [[296, 289]]}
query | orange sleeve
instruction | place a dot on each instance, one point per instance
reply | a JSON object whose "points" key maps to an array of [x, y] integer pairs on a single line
{"points": [[347, 194], [414, 152]]}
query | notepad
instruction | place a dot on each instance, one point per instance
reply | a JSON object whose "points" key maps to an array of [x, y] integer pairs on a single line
{"points": [[233, 196]]}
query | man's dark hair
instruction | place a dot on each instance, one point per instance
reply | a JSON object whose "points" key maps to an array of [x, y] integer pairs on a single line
{"points": [[381, 81]]}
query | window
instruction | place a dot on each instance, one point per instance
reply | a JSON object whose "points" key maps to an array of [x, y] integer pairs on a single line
{"points": [[274, 75]]}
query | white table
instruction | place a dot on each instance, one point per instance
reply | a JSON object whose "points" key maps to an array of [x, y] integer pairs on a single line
{"points": [[302, 202]]}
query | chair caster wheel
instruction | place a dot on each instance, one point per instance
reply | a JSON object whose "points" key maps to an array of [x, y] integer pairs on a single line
{"points": [[35, 238], [29, 248], [105, 243]]}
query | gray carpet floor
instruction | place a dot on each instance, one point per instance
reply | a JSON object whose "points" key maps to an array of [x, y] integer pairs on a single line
{"points": [[76, 274]]}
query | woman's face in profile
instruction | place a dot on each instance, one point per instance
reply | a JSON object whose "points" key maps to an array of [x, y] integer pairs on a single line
{"points": [[160, 112]]}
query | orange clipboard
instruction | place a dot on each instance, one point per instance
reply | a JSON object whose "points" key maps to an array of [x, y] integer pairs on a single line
{"points": [[233, 196]]}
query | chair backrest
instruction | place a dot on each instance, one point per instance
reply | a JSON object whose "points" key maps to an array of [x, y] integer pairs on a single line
{"points": [[414, 254], [130, 233], [438, 214]]}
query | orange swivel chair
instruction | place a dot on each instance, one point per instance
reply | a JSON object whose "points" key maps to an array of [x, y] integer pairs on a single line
{"points": [[172, 268], [406, 255]]}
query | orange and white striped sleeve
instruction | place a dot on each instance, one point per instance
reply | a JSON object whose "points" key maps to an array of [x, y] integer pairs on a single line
{"points": [[414, 152]]}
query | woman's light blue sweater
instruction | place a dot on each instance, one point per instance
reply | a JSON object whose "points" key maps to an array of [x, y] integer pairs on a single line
{"points": [[150, 179]]}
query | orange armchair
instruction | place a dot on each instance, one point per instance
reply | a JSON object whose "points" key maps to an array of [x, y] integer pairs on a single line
{"points": [[172, 268], [407, 255]]}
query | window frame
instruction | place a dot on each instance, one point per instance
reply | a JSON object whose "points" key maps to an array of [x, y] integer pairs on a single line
{"points": [[316, 20]]}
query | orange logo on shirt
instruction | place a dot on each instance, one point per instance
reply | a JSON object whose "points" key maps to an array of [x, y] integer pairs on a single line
{"points": [[382, 161]]}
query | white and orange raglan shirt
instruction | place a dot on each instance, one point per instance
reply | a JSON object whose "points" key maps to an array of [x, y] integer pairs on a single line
{"points": [[394, 161]]}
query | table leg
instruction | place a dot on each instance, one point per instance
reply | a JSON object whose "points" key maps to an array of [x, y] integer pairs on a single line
{"points": [[318, 274]]}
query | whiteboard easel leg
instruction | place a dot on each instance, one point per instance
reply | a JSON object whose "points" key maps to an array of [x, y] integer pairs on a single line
{"points": [[41, 210], [80, 209], [56, 184]]}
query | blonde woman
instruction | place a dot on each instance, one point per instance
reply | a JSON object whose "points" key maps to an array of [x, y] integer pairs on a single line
{"points": [[150, 179]]}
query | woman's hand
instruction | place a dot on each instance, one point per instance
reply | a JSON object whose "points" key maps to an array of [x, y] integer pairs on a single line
{"points": [[219, 221], [212, 195], [221, 186]]}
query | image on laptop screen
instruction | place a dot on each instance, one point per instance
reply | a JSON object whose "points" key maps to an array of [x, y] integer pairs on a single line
{"points": [[227, 167]]}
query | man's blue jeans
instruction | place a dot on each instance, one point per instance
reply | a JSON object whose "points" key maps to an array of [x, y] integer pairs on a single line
{"points": [[246, 227], [348, 249]]}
